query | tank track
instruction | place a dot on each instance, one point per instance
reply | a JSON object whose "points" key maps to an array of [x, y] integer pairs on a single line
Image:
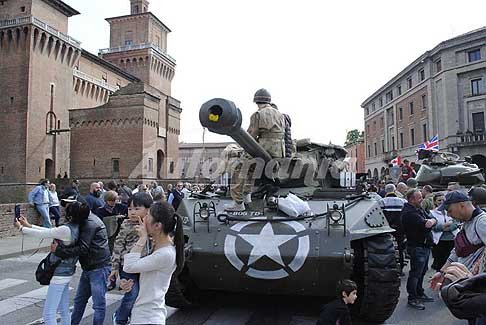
{"points": [[376, 273]]}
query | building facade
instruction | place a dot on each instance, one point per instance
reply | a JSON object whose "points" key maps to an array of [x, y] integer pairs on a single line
{"points": [[356, 155], [440, 93], [198, 160], [46, 76]]}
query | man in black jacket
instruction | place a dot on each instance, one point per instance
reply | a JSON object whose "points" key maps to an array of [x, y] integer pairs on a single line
{"points": [[94, 256], [417, 226]]}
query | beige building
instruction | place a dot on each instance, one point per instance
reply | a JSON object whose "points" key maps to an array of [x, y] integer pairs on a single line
{"points": [[197, 160], [62, 111], [441, 92]]}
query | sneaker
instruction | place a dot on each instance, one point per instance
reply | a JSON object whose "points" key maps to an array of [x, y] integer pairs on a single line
{"points": [[235, 207], [425, 298], [113, 318], [416, 304], [247, 198]]}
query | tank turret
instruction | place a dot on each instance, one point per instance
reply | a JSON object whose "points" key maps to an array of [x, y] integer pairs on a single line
{"points": [[223, 117]]}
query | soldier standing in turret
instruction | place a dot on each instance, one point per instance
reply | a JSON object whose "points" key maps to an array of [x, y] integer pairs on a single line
{"points": [[267, 126]]}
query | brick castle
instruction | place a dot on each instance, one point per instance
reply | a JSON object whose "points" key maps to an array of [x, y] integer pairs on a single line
{"points": [[67, 112]]}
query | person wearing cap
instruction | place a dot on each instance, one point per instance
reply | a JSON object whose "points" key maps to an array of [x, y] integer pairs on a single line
{"points": [[392, 207], [417, 226], [412, 183], [469, 243], [267, 127]]}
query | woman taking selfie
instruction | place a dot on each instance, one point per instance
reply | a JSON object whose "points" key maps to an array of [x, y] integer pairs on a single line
{"points": [[155, 269], [66, 235]]}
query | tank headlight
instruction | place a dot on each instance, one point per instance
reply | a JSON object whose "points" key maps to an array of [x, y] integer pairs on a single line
{"points": [[336, 216], [204, 212]]}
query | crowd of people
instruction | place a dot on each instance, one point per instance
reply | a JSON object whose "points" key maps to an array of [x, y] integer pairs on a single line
{"points": [[147, 246], [448, 225], [142, 248]]}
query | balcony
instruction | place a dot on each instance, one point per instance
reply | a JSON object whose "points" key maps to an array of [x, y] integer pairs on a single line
{"points": [[142, 46], [42, 25], [469, 139]]}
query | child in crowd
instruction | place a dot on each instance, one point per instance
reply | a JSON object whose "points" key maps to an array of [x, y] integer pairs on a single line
{"points": [[138, 207], [337, 312]]}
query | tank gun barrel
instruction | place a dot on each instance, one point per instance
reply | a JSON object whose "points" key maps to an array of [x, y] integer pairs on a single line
{"points": [[221, 116]]}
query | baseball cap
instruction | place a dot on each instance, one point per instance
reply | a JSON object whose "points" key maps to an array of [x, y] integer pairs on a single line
{"points": [[72, 199], [453, 197]]}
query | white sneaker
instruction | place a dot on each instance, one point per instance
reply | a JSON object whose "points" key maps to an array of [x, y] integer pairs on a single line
{"points": [[247, 198], [235, 207]]}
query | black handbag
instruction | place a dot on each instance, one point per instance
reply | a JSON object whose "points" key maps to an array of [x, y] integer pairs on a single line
{"points": [[45, 269], [466, 298]]}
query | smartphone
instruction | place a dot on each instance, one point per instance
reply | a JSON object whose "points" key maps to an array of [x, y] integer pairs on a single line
{"points": [[17, 212]]}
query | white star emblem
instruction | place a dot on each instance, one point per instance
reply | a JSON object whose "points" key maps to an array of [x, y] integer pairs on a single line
{"points": [[266, 244]]}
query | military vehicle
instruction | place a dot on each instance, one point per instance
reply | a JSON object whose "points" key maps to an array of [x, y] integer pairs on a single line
{"points": [[264, 251], [441, 167]]}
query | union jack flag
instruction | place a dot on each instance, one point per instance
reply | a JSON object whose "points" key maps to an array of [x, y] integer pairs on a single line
{"points": [[432, 144]]}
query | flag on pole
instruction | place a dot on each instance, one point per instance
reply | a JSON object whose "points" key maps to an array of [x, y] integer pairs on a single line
{"points": [[397, 161], [432, 144]]}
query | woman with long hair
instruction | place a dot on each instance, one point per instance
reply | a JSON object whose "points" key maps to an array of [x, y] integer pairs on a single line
{"points": [[66, 235], [155, 269]]}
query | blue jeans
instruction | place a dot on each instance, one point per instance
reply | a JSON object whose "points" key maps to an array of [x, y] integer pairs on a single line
{"points": [[56, 212], [91, 284], [43, 210], [419, 262], [125, 310], [57, 299]]}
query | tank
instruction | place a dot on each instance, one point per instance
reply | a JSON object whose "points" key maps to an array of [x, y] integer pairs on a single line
{"points": [[440, 167], [264, 251]]}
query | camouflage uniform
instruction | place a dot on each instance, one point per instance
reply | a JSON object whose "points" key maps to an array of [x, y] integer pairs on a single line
{"points": [[124, 242], [267, 126]]}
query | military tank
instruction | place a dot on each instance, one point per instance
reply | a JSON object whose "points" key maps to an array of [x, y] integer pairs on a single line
{"points": [[441, 167], [265, 251]]}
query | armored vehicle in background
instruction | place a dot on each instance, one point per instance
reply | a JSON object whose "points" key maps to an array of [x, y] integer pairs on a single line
{"points": [[439, 168], [264, 251]]}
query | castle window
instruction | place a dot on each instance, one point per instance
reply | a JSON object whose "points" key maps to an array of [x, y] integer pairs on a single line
{"points": [[115, 167], [11, 100], [22, 9], [171, 167], [150, 165]]}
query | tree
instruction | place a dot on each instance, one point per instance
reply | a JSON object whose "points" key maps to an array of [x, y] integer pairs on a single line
{"points": [[354, 137]]}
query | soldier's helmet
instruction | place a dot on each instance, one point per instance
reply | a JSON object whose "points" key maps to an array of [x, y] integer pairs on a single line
{"points": [[262, 96]]}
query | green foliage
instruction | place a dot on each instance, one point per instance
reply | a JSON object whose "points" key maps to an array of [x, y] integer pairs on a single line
{"points": [[354, 137]]}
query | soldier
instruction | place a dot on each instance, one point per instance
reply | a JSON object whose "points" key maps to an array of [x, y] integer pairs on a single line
{"points": [[267, 126]]}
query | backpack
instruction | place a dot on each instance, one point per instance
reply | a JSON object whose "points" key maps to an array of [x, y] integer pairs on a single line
{"points": [[45, 269]]}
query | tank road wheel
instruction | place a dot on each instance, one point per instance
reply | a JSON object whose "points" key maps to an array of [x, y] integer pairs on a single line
{"points": [[376, 273]]}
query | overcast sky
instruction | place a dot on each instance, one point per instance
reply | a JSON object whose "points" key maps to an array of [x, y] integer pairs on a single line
{"points": [[319, 59]]}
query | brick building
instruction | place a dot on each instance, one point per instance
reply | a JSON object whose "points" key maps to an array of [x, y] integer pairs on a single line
{"points": [[441, 92], [62, 110], [356, 155]]}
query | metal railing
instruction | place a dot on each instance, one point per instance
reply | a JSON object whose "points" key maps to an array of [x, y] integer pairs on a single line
{"points": [[142, 46], [42, 25], [94, 80]]}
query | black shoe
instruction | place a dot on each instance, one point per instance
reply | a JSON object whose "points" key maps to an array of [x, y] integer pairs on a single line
{"points": [[111, 285], [402, 273], [416, 304], [425, 298]]}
